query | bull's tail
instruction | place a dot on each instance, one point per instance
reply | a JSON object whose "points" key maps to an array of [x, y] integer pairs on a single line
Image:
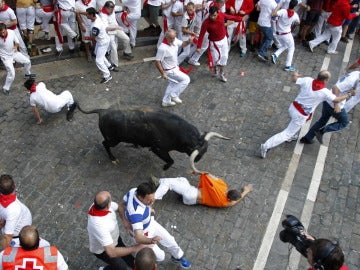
{"points": [[98, 111]]}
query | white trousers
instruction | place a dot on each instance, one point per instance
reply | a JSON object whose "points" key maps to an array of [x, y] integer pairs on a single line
{"points": [[9, 66], [174, 89], [63, 99], [352, 102], [242, 36], [101, 62], [186, 52], [296, 122], [133, 18], [68, 27], [181, 186], [26, 17], [318, 28], [22, 46], [168, 241], [196, 56], [219, 51], [115, 36], [43, 18], [286, 42], [330, 31]]}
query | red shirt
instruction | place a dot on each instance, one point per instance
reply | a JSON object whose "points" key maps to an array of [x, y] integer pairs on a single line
{"points": [[341, 12], [344, 267], [247, 6], [216, 29]]}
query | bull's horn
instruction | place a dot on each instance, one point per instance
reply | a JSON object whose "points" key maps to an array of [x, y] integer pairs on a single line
{"points": [[192, 161], [212, 134]]}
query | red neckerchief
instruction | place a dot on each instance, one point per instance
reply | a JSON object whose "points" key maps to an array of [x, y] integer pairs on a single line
{"points": [[290, 12], [97, 213], [191, 16], [317, 85], [5, 200], [5, 7], [165, 41], [33, 88], [86, 4], [104, 10], [6, 35]]}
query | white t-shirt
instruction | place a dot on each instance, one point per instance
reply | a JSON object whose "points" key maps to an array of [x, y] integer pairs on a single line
{"points": [[16, 216], [177, 7], [309, 98], [133, 5], [66, 4], [284, 22], [346, 84], [7, 44], [7, 15], [167, 55], [46, 99], [266, 8], [98, 30], [103, 231], [192, 25], [79, 5]]}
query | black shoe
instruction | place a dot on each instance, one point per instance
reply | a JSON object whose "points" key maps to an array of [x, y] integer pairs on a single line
{"points": [[128, 56], [319, 136], [305, 43], [344, 39], [70, 113], [30, 76], [6, 92], [304, 140], [106, 80], [113, 68]]}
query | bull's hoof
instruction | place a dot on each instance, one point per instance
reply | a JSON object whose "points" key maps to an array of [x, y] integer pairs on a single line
{"points": [[115, 162]]}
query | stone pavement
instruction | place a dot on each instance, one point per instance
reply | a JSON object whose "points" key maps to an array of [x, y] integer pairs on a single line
{"points": [[60, 165]]}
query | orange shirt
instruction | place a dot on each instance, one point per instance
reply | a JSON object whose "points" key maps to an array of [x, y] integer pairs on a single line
{"points": [[213, 191]]}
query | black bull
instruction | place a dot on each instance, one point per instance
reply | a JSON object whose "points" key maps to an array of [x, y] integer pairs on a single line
{"points": [[159, 130]]}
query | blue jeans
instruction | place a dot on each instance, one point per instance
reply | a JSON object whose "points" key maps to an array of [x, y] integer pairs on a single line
{"points": [[327, 112], [268, 37]]}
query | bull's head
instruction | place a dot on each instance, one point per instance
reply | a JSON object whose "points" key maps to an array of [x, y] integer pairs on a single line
{"points": [[197, 154]]}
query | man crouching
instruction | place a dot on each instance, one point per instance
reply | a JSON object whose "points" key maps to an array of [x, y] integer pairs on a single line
{"points": [[40, 96]]}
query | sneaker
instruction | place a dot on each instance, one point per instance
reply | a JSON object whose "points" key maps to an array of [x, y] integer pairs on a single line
{"points": [[106, 80], [113, 68], [304, 140], [184, 263], [262, 58], [334, 52], [176, 100], [263, 151], [128, 56], [311, 47], [6, 92], [242, 54], [155, 180], [319, 136], [59, 53], [101, 268], [293, 138], [289, 68], [223, 78], [193, 63], [169, 104], [70, 112], [274, 59], [29, 76], [344, 39]]}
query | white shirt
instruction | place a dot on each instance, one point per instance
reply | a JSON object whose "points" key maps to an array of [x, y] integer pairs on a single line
{"points": [[7, 15], [167, 55], [103, 231], [192, 25], [266, 8], [46, 99], [109, 21], [7, 44], [16, 216], [98, 30], [346, 84], [155, 3], [309, 98], [284, 22], [79, 5], [133, 5], [66, 4]]}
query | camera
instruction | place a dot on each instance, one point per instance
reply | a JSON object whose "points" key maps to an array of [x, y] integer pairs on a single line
{"points": [[293, 233]]}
